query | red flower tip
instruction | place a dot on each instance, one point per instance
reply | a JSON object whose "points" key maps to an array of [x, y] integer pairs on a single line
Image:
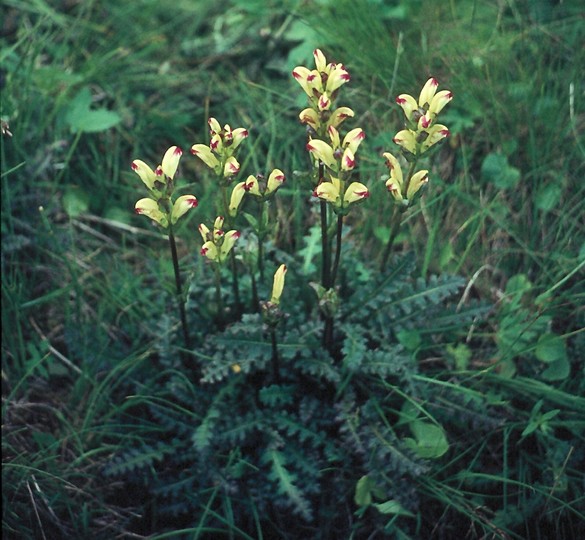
{"points": [[134, 166]]}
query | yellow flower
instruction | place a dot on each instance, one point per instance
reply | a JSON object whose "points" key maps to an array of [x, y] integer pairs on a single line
{"points": [[429, 104], [170, 161], [217, 244], [395, 184], [156, 180], [323, 152], [310, 117], [275, 180], [407, 139], [149, 208], [435, 134], [339, 115], [278, 284], [182, 205], [204, 153], [332, 193], [236, 199]]}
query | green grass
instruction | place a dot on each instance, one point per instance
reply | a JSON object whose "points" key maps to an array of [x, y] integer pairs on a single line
{"points": [[88, 321]]}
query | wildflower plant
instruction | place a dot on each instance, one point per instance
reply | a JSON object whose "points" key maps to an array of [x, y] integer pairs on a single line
{"points": [[284, 380]]}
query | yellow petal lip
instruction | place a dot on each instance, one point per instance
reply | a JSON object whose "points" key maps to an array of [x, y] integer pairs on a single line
{"points": [[310, 117], [228, 243], [408, 104], [278, 284], [204, 153], [322, 151], [209, 250], [416, 182], [214, 125], [275, 180], [170, 161], [439, 101], [338, 76], [353, 139], [320, 60], [204, 231], [436, 133], [146, 174], [339, 115], [334, 136], [328, 191], [238, 135], [236, 199], [304, 77], [218, 223], [149, 208], [347, 160], [356, 191], [231, 167], [182, 205], [406, 139], [324, 102], [427, 93]]}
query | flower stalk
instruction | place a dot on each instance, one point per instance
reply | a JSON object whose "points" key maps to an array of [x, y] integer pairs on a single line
{"points": [[333, 160], [272, 316], [179, 289], [420, 134], [161, 208]]}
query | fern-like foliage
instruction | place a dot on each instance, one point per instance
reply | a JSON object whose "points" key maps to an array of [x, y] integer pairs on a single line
{"points": [[274, 443]]}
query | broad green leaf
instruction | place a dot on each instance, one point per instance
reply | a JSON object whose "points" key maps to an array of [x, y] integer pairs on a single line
{"points": [[557, 370], [548, 197], [81, 117], [551, 348], [393, 507], [409, 339], [363, 494], [430, 442], [365, 490], [75, 201], [496, 170]]}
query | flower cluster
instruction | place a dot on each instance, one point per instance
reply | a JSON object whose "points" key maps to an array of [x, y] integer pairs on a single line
{"points": [[217, 244], [322, 87], [256, 186], [219, 155], [160, 184], [420, 134], [339, 157]]}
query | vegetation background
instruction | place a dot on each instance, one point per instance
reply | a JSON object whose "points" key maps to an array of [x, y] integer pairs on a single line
{"points": [[87, 86]]}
